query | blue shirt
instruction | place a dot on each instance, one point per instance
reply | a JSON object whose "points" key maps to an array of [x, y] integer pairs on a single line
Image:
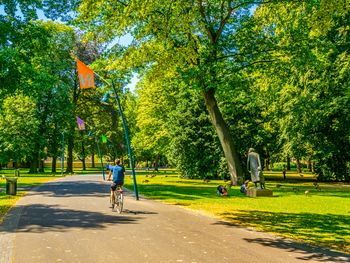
{"points": [[118, 173]]}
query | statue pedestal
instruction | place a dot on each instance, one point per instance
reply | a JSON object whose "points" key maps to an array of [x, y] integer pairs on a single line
{"points": [[255, 192]]}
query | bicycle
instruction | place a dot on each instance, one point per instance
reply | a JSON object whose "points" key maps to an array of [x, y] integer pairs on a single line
{"points": [[117, 199]]}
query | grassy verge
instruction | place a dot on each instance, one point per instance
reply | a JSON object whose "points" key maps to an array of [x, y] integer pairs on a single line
{"points": [[320, 217]]}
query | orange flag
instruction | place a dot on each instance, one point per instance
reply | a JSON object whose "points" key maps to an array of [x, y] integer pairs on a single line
{"points": [[86, 75]]}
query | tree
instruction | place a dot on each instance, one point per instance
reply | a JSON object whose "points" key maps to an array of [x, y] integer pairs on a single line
{"points": [[194, 146], [18, 128], [152, 136], [196, 38], [311, 83]]}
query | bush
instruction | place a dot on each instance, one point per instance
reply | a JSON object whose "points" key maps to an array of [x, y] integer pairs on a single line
{"points": [[222, 171], [279, 166]]}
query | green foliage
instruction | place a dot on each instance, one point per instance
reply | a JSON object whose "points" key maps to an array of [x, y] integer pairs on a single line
{"points": [[193, 146], [279, 166], [152, 112], [18, 128], [313, 102], [279, 72]]}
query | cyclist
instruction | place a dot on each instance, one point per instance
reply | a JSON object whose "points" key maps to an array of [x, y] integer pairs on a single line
{"points": [[118, 172]]}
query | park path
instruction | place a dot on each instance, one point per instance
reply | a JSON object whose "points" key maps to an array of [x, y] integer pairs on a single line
{"points": [[69, 220]]}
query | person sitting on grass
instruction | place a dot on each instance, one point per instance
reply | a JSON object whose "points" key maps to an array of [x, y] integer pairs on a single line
{"points": [[221, 190], [244, 187]]}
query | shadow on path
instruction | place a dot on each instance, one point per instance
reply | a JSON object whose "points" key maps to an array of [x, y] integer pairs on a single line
{"points": [[307, 252], [40, 218], [73, 188]]}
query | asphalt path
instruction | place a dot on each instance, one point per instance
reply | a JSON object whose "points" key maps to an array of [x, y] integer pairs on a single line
{"points": [[69, 220]]}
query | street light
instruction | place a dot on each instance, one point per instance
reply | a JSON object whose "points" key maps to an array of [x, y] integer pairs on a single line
{"points": [[62, 155], [104, 100], [92, 134]]}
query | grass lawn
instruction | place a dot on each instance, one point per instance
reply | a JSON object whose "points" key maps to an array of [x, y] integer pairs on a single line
{"points": [[317, 217]]}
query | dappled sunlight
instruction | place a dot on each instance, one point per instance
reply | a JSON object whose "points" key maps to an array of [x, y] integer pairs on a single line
{"points": [[319, 217], [319, 229], [306, 252]]}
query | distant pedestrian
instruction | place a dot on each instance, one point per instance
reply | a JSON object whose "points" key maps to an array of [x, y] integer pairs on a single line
{"points": [[284, 171]]}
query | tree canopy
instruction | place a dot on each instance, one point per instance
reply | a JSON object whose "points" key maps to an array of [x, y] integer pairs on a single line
{"points": [[216, 78]]}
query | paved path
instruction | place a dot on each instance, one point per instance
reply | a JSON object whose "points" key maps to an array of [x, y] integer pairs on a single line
{"points": [[69, 220]]}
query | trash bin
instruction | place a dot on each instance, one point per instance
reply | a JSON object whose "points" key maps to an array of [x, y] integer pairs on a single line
{"points": [[11, 186]]}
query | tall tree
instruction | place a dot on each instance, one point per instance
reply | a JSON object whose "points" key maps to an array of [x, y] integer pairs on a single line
{"points": [[311, 81], [197, 38]]}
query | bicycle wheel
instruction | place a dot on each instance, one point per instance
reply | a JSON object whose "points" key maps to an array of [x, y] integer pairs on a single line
{"points": [[119, 202]]}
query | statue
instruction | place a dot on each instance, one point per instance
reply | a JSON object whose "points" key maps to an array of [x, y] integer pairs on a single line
{"points": [[254, 167]]}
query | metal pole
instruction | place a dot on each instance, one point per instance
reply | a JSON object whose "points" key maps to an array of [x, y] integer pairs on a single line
{"points": [[99, 153], [127, 142], [62, 156]]}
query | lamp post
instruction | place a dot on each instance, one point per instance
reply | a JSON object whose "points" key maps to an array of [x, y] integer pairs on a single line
{"points": [[62, 156], [92, 134], [104, 100], [100, 154]]}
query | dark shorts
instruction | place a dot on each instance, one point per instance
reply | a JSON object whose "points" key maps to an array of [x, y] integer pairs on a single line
{"points": [[114, 185]]}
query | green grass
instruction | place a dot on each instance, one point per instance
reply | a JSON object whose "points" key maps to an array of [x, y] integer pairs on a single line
{"points": [[318, 217]]}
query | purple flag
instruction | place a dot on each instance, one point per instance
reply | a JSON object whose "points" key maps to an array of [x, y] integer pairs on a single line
{"points": [[81, 124]]}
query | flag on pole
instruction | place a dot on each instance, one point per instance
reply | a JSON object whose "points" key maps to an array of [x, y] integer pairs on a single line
{"points": [[86, 75], [81, 124], [104, 139]]}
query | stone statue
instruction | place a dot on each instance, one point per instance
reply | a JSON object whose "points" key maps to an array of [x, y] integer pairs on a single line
{"points": [[254, 167]]}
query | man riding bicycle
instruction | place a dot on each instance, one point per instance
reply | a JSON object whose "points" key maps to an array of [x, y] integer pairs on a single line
{"points": [[118, 172]]}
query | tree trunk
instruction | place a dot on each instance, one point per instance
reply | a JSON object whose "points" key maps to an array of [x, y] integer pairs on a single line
{"points": [[54, 164], [224, 135], [33, 167], [41, 166], [69, 168], [93, 156], [76, 92], [84, 164], [309, 165], [299, 165], [288, 163], [34, 164], [156, 162], [83, 153], [266, 165]]}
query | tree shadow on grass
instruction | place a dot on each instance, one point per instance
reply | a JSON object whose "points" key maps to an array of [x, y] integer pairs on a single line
{"points": [[38, 218], [332, 231], [306, 252]]}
